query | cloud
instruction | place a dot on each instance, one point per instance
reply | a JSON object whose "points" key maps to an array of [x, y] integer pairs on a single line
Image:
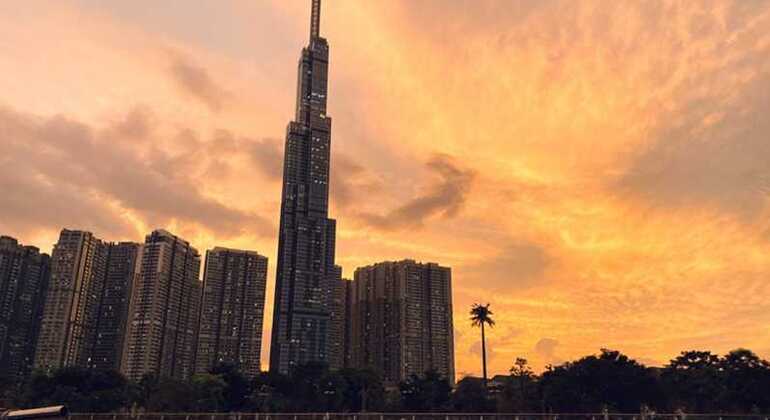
{"points": [[444, 198], [517, 266], [350, 180], [267, 156], [715, 153], [196, 82], [56, 163], [546, 349]]}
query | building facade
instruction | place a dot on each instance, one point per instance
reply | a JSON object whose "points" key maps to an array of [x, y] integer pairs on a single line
{"points": [[339, 334], [305, 272], [164, 309], [77, 261], [113, 287], [401, 319], [24, 275], [232, 310]]}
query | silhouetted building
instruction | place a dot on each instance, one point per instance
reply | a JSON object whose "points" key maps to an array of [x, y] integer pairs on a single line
{"points": [[305, 271], [232, 310], [24, 274], [339, 335], [71, 301], [86, 305], [401, 319], [163, 315], [113, 287]]}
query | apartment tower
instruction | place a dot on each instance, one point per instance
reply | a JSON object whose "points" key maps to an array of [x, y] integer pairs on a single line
{"points": [[232, 310], [71, 301], [114, 288], [163, 314], [401, 319], [24, 274]]}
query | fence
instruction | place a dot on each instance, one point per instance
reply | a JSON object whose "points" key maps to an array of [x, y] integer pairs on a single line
{"points": [[410, 416]]}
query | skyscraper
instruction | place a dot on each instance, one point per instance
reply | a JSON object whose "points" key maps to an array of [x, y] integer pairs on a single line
{"points": [[70, 304], [24, 275], [305, 270], [401, 319], [163, 317], [113, 290], [232, 310]]}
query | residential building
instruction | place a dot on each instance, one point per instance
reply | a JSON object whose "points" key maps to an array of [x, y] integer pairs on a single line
{"points": [[401, 319], [232, 310], [24, 275], [77, 262], [164, 309]]}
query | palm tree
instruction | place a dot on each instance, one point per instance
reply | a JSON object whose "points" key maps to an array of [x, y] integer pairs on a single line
{"points": [[480, 316]]}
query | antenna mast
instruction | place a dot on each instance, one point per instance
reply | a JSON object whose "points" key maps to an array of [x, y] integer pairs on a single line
{"points": [[315, 20]]}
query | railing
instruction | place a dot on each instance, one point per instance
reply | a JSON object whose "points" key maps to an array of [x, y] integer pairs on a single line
{"points": [[410, 416]]}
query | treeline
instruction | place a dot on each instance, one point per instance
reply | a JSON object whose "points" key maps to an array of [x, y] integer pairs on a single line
{"points": [[694, 382]]}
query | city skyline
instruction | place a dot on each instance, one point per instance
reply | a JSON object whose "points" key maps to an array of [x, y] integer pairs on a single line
{"points": [[565, 166]]}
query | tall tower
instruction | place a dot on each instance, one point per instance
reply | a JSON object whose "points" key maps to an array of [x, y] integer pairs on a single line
{"points": [[305, 271]]}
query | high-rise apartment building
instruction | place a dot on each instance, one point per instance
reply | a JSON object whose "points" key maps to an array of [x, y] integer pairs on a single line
{"points": [[86, 305], [113, 287], [401, 319], [24, 275], [305, 272], [164, 309], [232, 310], [71, 301], [339, 334]]}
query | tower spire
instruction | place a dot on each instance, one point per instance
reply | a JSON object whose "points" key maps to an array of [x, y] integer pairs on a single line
{"points": [[315, 20]]}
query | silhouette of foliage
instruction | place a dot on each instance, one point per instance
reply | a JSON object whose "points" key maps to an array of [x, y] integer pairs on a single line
{"points": [[693, 382]]}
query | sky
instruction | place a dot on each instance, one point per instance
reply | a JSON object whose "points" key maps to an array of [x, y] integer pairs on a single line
{"points": [[599, 172]]}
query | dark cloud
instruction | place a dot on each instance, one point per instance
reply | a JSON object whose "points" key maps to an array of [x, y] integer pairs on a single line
{"points": [[349, 179], [518, 265], [267, 156], [546, 349], [714, 151], [444, 198], [59, 172], [196, 81]]}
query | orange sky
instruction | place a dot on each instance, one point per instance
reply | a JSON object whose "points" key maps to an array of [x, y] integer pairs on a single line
{"points": [[597, 171]]}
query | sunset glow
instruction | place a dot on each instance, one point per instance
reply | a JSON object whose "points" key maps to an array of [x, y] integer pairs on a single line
{"points": [[599, 172]]}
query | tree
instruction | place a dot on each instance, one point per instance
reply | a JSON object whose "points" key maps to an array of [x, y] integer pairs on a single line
{"points": [[481, 315], [208, 393], [237, 386], [270, 392], [171, 395], [610, 380], [430, 392], [471, 397], [745, 381], [363, 390], [80, 389], [692, 381], [519, 391]]}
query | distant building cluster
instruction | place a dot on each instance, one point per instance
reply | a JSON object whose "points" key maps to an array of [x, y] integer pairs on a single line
{"points": [[142, 308], [137, 308]]}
